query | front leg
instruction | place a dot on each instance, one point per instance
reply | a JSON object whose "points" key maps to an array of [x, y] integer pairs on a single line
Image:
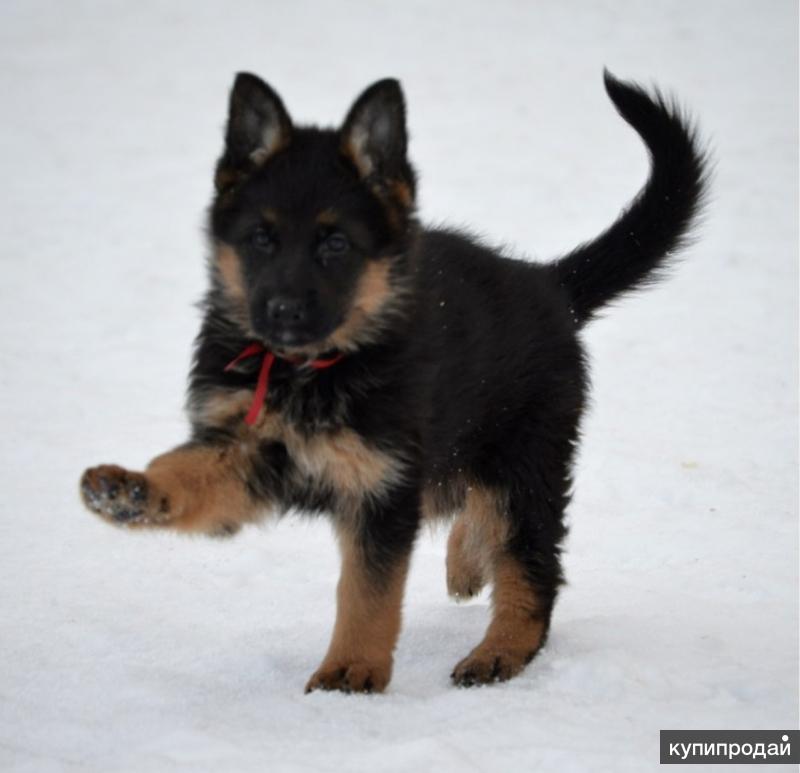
{"points": [[195, 488], [376, 548]]}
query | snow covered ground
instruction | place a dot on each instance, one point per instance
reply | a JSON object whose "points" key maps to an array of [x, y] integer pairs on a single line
{"points": [[123, 652]]}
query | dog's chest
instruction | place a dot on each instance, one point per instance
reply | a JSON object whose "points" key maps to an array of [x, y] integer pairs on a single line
{"points": [[338, 458], [328, 456]]}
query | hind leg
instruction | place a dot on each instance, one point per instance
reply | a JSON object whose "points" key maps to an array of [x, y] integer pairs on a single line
{"points": [[526, 574], [472, 544], [520, 619], [465, 571]]}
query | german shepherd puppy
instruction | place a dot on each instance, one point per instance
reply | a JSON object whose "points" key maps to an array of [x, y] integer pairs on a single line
{"points": [[354, 363]]}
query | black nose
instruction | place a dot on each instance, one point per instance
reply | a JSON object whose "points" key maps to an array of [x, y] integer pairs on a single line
{"points": [[286, 311]]}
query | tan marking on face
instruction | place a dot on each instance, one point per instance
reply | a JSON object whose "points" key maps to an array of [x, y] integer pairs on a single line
{"points": [[402, 193], [373, 287], [368, 621], [230, 271], [270, 215], [372, 293], [327, 217]]}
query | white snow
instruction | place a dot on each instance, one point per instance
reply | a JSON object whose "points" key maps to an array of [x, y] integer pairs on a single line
{"points": [[150, 652]]}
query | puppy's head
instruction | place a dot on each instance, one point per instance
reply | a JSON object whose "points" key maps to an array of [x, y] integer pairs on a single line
{"points": [[312, 227]]}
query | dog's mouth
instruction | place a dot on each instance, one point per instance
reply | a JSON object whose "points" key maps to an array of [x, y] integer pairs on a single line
{"points": [[301, 342], [322, 352], [290, 339]]}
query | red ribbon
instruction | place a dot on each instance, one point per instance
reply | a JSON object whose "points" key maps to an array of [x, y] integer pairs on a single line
{"points": [[262, 384]]}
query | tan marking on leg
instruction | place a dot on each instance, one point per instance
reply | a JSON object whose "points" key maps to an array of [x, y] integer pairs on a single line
{"points": [[192, 489], [475, 539], [465, 570], [205, 487], [515, 633], [368, 620]]}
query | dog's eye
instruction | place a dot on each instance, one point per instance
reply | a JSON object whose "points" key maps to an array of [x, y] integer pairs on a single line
{"points": [[334, 245], [263, 240]]}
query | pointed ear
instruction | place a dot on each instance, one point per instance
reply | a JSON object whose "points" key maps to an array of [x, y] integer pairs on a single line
{"points": [[258, 126], [374, 132]]}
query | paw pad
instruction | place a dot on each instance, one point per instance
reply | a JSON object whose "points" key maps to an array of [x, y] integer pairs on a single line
{"points": [[118, 496]]}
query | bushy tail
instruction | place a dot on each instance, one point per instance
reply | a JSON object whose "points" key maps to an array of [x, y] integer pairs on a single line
{"points": [[630, 253]]}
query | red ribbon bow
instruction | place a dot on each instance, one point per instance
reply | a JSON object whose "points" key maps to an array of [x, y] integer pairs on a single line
{"points": [[262, 385]]}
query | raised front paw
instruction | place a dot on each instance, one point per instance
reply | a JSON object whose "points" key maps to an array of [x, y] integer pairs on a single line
{"points": [[358, 676], [122, 497]]}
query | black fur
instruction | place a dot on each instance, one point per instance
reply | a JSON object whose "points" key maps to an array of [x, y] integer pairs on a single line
{"points": [[656, 223]]}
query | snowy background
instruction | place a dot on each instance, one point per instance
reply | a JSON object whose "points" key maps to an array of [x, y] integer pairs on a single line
{"points": [[152, 652]]}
